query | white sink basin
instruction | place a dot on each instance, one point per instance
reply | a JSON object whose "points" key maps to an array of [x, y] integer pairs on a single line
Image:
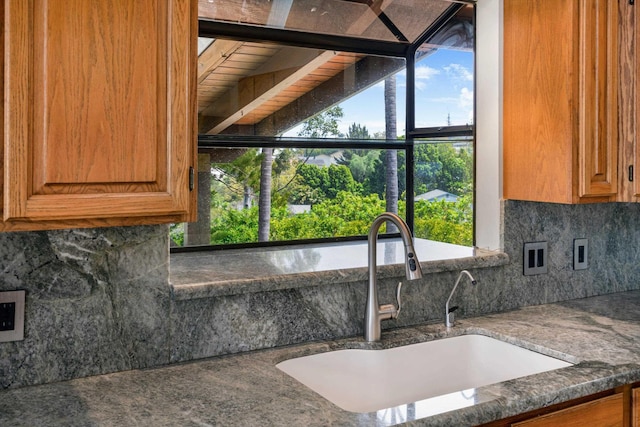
{"points": [[371, 380]]}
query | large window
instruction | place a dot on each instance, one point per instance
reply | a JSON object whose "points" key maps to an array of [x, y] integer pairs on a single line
{"points": [[311, 134]]}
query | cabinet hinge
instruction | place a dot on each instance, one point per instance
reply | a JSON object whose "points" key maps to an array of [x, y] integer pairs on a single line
{"points": [[192, 178], [631, 173]]}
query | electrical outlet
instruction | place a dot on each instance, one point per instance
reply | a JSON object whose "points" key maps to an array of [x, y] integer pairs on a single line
{"points": [[12, 316], [580, 254], [535, 258]]}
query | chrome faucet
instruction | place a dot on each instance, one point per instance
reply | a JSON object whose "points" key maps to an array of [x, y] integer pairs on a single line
{"points": [[448, 313], [375, 313]]}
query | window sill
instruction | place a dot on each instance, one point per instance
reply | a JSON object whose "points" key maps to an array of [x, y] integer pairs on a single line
{"points": [[218, 273]]}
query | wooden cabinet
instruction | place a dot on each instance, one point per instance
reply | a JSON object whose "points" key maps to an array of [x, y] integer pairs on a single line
{"points": [[635, 407], [561, 83], [611, 408], [99, 112], [604, 412]]}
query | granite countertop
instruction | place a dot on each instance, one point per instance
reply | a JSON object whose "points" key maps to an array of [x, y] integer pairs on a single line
{"points": [[601, 335]]}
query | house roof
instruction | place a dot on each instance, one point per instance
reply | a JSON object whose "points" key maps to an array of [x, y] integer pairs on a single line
{"points": [[435, 195]]}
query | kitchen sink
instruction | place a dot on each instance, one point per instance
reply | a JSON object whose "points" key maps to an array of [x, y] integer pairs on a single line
{"points": [[372, 380]]}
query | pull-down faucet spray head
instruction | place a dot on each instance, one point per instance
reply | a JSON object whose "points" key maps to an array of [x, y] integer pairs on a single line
{"points": [[411, 263]]}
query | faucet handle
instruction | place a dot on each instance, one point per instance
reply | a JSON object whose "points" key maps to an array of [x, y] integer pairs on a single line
{"points": [[390, 311]]}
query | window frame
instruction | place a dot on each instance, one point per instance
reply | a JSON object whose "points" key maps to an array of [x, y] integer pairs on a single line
{"points": [[400, 49]]}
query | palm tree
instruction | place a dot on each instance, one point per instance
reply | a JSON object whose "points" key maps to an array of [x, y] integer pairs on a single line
{"points": [[264, 202], [391, 156]]}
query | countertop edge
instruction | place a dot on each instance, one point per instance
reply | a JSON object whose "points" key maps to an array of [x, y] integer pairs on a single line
{"points": [[218, 288]]}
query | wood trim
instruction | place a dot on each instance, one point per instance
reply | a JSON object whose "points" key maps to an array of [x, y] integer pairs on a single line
{"points": [[635, 111], [635, 407], [25, 225], [18, 110], [603, 412], [628, 51], [618, 397], [598, 97]]}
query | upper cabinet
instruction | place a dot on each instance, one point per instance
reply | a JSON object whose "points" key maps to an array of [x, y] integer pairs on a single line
{"points": [[99, 112], [561, 109]]}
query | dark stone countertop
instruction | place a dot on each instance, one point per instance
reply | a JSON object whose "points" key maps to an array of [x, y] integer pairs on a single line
{"points": [[600, 334]]}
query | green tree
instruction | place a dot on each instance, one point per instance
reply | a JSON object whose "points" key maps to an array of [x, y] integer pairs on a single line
{"points": [[241, 177], [443, 221], [441, 166], [357, 131], [323, 125], [315, 183]]}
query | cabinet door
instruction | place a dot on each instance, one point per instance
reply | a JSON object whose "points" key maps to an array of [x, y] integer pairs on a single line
{"points": [[604, 412], [560, 124], [99, 108], [598, 100]]}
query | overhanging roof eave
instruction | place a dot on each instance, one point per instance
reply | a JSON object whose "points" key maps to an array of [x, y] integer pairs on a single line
{"points": [[254, 33]]}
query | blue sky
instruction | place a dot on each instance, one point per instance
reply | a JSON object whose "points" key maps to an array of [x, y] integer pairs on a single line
{"points": [[444, 83]]}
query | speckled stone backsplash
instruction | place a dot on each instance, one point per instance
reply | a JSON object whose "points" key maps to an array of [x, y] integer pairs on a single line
{"points": [[100, 300], [204, 327], [96, 301]]}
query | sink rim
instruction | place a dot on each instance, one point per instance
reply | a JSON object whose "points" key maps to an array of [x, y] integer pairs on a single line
{"points": [[527, 350]]}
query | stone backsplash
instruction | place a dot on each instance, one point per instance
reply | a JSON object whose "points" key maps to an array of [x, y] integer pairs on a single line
{"points": [[96, 301], [99, 300]]}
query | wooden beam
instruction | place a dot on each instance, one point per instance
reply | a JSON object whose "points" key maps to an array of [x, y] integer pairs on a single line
{"points": [[363, 74], [280, 82], [215, 55]]}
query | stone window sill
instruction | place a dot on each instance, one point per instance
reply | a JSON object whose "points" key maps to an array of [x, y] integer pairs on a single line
{"points": [[210, 274]]}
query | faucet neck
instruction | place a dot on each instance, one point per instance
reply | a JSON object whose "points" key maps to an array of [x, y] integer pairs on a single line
{"points": [[374, 315]]}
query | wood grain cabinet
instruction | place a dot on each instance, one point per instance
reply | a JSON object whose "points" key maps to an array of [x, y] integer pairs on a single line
{"points": [[561, 115], [611, 408], [604, 412], [99, 112], [635, 407]]}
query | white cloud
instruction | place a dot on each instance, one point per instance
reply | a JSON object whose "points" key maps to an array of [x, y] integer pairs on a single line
{"points": [[466, 98], [459, 72], [423, 75]]}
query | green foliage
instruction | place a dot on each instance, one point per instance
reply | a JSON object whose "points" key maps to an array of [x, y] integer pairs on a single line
{"points": [[347, 215], [361, 163], [176, 233], [441, 166], [357, 131], [444, 221], [235, 226], [239, 175], [323, 125], [316, 184], [344, 198]]}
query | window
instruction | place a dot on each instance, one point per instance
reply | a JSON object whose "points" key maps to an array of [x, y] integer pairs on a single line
{"points": [[320, 115]]}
